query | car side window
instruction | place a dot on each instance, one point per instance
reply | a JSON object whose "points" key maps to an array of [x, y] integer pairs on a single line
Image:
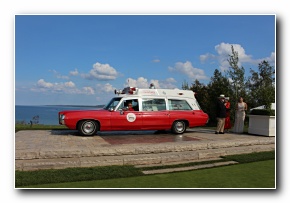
{"points": [[125, 103], [153, 104], [175, 104]]}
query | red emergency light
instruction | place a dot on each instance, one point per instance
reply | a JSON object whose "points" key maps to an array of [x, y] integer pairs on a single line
{"points": [[127, 90], [132, 90]]}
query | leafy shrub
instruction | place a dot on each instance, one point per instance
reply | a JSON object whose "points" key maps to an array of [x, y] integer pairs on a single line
{"points": [[265, 112]]}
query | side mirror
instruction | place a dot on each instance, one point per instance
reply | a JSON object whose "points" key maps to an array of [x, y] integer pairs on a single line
{"points": [[111, 109]]}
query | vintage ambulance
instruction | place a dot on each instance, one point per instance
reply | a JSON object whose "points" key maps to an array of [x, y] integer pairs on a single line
{"points": [[139, 109]]}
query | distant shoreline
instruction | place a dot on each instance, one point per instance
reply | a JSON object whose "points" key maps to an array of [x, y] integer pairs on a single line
{"points": [[96, 106], [67, 105], [47, 114]]}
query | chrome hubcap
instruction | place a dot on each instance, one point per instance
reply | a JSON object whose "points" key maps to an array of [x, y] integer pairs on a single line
{"points": [[179, 126], [88, 127]]}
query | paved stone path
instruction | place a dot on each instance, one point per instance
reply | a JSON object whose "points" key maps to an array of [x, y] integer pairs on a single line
{"points": [[188, 168], [45, 149]]}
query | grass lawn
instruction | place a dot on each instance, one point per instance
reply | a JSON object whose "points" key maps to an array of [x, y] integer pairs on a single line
{"points": [[250, 175], [19, 127], [255, 170]]}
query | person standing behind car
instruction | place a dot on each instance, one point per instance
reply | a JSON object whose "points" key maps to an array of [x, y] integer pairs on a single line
{"points": [[228, 114], [241, 109], [221, 115]]}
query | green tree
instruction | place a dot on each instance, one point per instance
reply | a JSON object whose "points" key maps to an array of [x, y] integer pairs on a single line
{"points": [[219, 84], [261, 85], [201, 95], [237, 76], [185, 85]]}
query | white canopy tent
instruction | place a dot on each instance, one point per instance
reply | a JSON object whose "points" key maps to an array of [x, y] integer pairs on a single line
{"points": [[273, 106]]}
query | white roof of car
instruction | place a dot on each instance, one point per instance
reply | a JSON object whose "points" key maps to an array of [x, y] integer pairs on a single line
{"points": [[155, 92]]}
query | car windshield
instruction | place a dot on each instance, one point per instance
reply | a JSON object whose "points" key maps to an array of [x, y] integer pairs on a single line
{"points": [[113, 103]]}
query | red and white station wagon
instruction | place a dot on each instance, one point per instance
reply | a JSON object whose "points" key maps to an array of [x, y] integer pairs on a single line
{"points": [[139, 109]]}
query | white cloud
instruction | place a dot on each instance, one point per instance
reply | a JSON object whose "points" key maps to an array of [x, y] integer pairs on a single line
{"points": [[223, 51], [69, 84], [105, 88], [58, 75], [42, 84], [156, 83], [187, 69], [156, 61], [270, 59], [66, 88], [142, 82], [170, 80], [169, 83], [88, 90], [101, 72], [206, 57], [74, 73]]}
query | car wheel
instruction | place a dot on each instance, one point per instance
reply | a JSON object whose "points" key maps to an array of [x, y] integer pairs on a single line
{"points": [[178, 127], [87, 127]]}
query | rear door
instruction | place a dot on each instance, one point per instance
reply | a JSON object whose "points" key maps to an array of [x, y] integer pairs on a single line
{"points": [[154, 114], [179, 109]]}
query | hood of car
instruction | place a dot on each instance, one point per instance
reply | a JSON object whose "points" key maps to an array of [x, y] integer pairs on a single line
{"points": [[86, 111]]}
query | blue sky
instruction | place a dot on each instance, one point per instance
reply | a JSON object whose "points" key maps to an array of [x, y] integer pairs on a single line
{"points": [[81, 59]]}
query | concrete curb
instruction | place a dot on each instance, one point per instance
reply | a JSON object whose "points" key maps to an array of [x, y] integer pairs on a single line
{"points": [[139, 159], [133, 149]]}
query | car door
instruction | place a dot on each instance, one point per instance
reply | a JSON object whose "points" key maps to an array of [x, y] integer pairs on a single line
{"points": [[155, 115], [179, 109], [124, 119]]}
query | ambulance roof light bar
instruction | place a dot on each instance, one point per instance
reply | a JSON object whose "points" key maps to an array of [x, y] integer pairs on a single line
{"points": [[152, 86], [127, 90], [118, 92]]}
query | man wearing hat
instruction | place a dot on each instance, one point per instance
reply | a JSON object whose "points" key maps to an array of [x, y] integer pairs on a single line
{"points": [[221, 115]]}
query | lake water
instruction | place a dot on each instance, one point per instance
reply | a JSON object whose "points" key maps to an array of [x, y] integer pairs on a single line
{"points": [[47, 115]]}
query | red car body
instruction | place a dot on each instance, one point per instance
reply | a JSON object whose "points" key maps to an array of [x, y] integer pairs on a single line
{"points": [[117, 118]]}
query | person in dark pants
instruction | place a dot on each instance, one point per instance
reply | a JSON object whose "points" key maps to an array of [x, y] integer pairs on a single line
{"points": [[221, 115]]}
